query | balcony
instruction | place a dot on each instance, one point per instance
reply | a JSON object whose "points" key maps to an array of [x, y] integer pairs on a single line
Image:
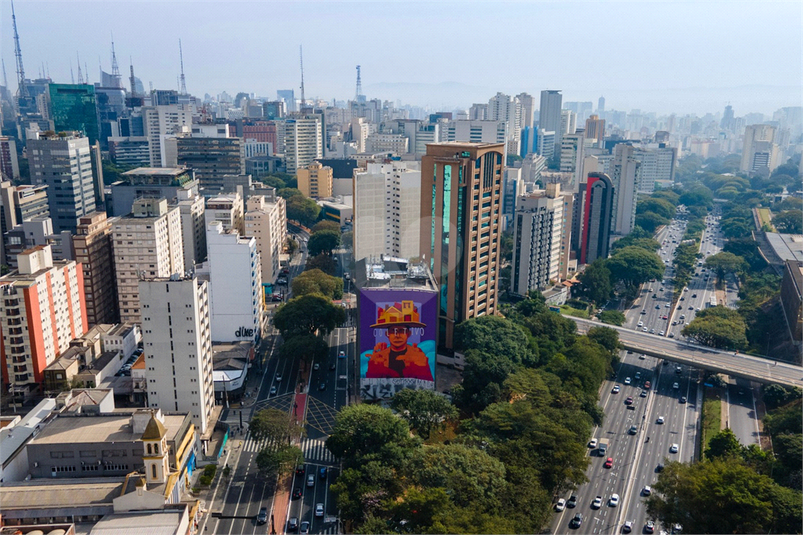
{"points": [[16, 340], [11, 312]]}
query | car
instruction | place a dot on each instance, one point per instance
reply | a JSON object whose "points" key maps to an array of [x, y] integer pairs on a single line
{"points": [[292, 524], [323, 472], [341, 355], [675, 386], [678, 370], [608, 462], [649, 527], [304, 528], [682, 298], [318, 509], [682, 400], [691, 308], [629, 400], [643, 312], [643, 394], [660, 420], [671, 335], [316, 366], [333, 366], [561, 505], [697, 309], [572, 503], [655, 296], [659, 468], [661, 333], [633, 430], [694, 296], [685, 289], [667, 305], [627, 380], [273, 391], [673, 448], [296, 493], [322, 386], [577, 521], [613, 501], [644, 329], [637, 376], [674, 323], [627, 527], [300, 470], [642, 357], [641, 324], [615, 389], [278, 377], [597, 503], [262, 516], [652, 331], [593, 443], [310, 480], [646, 491], [664, 317], [657, 307]]}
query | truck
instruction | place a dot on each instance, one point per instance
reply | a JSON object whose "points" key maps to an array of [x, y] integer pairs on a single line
{"points": [[603, 446]]}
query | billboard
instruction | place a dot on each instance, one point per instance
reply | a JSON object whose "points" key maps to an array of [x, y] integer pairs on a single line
{"points": [[398, 341]]}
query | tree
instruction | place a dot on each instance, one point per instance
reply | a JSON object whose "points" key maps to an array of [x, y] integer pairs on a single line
{"points": [[280, 461], [303, 210], [308, 314], [633, 266], [494, 335], [645, 243], [366, 429], [426, 411], [650, 221], [724, 444], [325, 225], [323, 241], [606, 337], [306, 348], [716, 329], [697, 196], [322, 262], [612, 317], [292, 246], [789, 222], [289, 193], [661, 207], [347, 239], [316, 281], [596, 281], [725, 262], [723, 496], [279, 427], [777, 395]]}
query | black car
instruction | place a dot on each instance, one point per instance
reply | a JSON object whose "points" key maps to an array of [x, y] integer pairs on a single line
{"points": [[300, 470], [296, 493], [577, 521], [262, 517], [572, 503], [292, 524], [682, 399], [659, 468]]}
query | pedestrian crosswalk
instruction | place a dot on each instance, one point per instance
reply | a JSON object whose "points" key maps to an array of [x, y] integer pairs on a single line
{"points": [[314, 449]]}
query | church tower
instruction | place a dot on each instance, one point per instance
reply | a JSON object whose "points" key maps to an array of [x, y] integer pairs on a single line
{"points": [[154, 452]]}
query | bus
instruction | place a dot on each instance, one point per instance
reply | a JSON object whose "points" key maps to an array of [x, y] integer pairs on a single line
{"points": [[712, 302]]}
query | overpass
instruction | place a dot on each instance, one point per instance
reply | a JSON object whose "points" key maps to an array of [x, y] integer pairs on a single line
{"points": [[760, 369]]}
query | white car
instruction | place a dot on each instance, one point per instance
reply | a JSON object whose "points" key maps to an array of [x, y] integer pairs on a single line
{"points": [[614, 501], [660, 420], [641, 324], [615, 389], [647, 490], [597, 503], [661, 333], [673, 448], [675, 386], [593, 443], [561, 505], [627, 380]]}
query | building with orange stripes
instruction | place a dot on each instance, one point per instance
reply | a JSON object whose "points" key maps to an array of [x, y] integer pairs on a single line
{"points": [[42, 308]]}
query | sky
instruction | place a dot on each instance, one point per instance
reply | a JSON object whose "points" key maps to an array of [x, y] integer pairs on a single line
{"points": [[667, 57]]}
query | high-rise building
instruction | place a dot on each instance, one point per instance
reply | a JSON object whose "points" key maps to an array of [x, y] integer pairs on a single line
{"points": [[572, 154], [568, 122], [595, 129], [315, 180], [63, 163], [160, 123], [502, 107], [147, 244], [177, 345], [387, 204], [601, 106], [626, 180], [461, 185], [545, 143], [73, 107], [93, 251], [235, 285], [396, 144], [191, 206], [289, 98], [512, 187], [42, 310], [9, 164], [266, 220], [474, 131], [302, 142], [657, 167], [229, 209], [537, 232], [212, 159], [550, 116], [527, 102], [596, 218], [760, 153]]}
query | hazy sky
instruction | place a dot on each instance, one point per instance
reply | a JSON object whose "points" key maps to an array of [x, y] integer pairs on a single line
{"points": [[684, 56]]}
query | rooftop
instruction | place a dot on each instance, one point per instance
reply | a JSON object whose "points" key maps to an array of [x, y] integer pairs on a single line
{"points": [[786, 246], [156, 171], [99, 428], [64, 492]]}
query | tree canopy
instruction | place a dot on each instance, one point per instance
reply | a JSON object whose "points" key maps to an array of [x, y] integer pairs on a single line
{"points": [[612, 317], [426, 411], [323, 241], [303, 210], [725, 262], [315, 281], [308, 314], [789, 222], [277, 426], [362, 430], [325, 225], [718, 327]]}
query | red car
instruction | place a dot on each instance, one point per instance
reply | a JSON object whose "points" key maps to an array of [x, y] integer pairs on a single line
{"points": [[608, 462], [629, 400], [646, 385]]}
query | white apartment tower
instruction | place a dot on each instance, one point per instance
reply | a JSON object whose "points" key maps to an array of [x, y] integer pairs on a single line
{"points": [[626, 180], [193, 226], [228, 209], [178, 346], [160, 122], [387, 205], [147, 244], [537, 240], [302, 142], [657, 167], [267, 222], [572, 155], [549, 115], [760, 153]]}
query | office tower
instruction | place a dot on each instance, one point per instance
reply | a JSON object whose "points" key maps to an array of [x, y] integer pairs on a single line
{"points": [[191, 207], [626, 180], [93, 250], [302, 142], [474, 131], [760, 154], [153, 182], [228, 208], [527, 102], [9, 164], [147, 244], [595, 129], [461, 185], [73, 107], [128, 151], [395, 144], [235, 285], [289, 98], [572, 154], [568, 122], [64, 164], [550, 116], [164, 97], [596, 218], [545, 143], [727, 122], [211, 158], [359, 129], [178, 346], [503, 108], [537, 232], [387, 204], [531, 168], [512, 187], [529, 141], [42, 309], [274, 109], [161, 122], [601, 106], [657, 167], [22, 203], [566, 260], [315, 181], [266, 221], [263, 131], [478, 112]]}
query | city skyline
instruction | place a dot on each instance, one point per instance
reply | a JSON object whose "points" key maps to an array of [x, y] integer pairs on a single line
{"points": [[661, 57]]}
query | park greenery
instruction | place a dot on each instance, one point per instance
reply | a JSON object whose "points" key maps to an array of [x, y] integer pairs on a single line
{"points": [[315, 281], [622, 273], [490, 460], [279, 430]]}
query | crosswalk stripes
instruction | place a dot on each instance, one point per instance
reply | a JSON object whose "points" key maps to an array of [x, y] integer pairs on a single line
{"points": [[314, 449]]}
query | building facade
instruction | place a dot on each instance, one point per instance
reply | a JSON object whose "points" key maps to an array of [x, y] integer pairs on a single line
{"points": [[550, 116], [267, 222], [597, 216], [93, 250], [73, 107], [302, 142], [626, 179], [315, 180], [212, 158], [537, 243]]}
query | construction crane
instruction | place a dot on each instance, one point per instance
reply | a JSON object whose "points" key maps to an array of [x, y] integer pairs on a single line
{"points": [[301, 54], [183, 84]]}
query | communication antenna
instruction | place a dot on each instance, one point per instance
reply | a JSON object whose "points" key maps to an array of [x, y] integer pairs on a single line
{"points": [[115, 67], [359, 84], [22, 91], [80, 73], [183, 88], [132, 79], [301, 54], [5, 80], [72, 74], [86, 70]]}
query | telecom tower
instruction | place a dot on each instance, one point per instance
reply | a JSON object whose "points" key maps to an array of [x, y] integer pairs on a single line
{"points": [[301, 54], [359, 85], [80, 72], [183, 84], [22, 90]]}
